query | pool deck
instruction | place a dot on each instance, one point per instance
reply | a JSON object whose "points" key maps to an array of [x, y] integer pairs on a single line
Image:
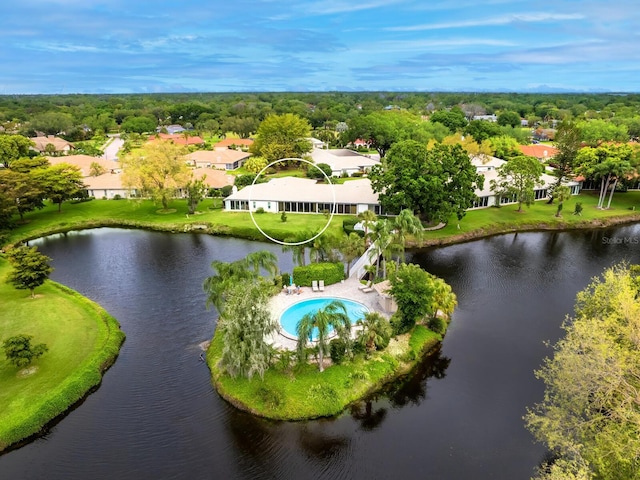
{"points": [[348, 289]]}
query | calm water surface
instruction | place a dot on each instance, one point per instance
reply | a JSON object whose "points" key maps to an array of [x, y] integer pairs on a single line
{"points": [[459, 417]]}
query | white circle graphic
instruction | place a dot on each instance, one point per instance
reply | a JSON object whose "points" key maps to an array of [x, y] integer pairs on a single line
{"points": [[333, 209]]}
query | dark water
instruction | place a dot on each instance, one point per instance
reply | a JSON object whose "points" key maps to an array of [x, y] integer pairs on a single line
{"points": [[459, 417]]}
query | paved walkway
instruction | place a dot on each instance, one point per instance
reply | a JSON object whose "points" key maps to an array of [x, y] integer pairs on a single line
{"points": [[347, 290]]}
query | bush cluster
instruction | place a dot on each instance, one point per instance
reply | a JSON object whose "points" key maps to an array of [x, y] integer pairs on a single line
{"points": [[349, 223], [329, 272]]}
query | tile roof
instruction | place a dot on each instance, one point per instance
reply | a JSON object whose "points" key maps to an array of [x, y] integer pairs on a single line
{"points": [[539, 151], [84, 163]]}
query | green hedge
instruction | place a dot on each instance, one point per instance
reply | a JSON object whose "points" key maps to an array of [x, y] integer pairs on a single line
{"points": [[349, 223], [329, 272]]}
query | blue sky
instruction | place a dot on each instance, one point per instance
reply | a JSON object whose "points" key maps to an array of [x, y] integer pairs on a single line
{"points": [[118, 46]]}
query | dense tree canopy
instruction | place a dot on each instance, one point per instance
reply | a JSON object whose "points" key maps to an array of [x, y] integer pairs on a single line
{"points": [[157, 170], [454, 119], [282, 136], [13, 147], [60, 182], [589, 416], [434, 183]]}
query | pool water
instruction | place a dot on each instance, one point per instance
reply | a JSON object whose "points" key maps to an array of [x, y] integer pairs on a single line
{"points": [[292, 315]]}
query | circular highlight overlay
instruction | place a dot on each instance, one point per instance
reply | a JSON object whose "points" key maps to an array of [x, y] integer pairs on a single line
{"points": [[333, 209]]}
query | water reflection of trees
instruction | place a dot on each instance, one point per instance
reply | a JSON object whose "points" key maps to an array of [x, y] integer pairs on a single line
{"points": [[410, 389]]}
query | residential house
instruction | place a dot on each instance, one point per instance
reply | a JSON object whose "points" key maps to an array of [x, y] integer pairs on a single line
{"points": [[305, 195], [177, 138], [487, 118], [234, 144], [171, 129], [224, 159], [215, 178], [106, 185], [539, 151], [85, 162], [59, 145], [344, 162]]}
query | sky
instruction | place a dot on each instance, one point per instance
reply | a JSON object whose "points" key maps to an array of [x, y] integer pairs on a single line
{"points": [[141, 46]]}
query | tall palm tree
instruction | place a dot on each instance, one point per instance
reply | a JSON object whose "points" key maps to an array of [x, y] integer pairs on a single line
{"points": [[227, 275], [376, 330], [333, 315], [350, 248], [405, 224], [368, 218], [381, 238]]}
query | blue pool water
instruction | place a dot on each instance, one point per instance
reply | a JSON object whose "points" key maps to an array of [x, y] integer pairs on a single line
{"points": [[292, 315]]}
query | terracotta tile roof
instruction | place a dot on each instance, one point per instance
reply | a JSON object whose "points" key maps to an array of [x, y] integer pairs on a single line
{"points": [[539, 151], [220, 158], [84, 163], [177, 139], [215, 178], [227, 142], [60, 144]]}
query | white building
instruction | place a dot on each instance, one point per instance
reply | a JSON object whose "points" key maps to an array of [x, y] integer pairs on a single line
{"points": [[344, 161], [305, 195]]}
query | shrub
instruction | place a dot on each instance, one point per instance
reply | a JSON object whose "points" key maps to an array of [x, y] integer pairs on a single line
{"points": [[578, 209], [117, 196], [283, 216], [226, 190], [286, 278], [329, 272], [348, 224], [437, 325], [316, 171], [272, 398], [337, 350], [399, 325], [259, 210]]}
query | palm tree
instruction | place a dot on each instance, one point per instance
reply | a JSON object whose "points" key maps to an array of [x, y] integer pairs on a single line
{"points": [[297, 245], [367, 217], [562, 193], [376, 330], [406, 223], [350, 248], [382, 239], [262, 259], [333, 315]]}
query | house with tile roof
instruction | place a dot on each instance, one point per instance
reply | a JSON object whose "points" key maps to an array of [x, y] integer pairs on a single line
{"points": [[59, 145], [234, 144], [540, 151], [224, 159], [84, 163]]}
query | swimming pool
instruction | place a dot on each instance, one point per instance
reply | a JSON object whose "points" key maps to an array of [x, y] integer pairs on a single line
{"points": [[292, 315]]}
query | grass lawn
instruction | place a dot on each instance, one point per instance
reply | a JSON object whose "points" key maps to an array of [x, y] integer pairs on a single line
{"points": [[145, 214], [83, 341], [302, 392], [538, 216]]}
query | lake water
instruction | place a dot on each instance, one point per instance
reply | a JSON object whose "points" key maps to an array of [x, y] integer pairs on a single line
{"points": [[458, 417]]}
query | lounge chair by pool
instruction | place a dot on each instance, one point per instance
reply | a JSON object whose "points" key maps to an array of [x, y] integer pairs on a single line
{"points": [[314, 285], [321, 285]]}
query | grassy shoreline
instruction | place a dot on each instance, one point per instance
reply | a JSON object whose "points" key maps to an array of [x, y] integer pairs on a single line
{"points": [[83, 340], [303, 393], [144, 215]]}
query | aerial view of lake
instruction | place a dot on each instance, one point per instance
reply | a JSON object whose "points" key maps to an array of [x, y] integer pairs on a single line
{"points": [[458, 416]]}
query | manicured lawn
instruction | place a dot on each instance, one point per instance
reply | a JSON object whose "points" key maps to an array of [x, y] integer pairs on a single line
{"points": [[539, 216], [82, 339], [145, 214], [302, 392]]}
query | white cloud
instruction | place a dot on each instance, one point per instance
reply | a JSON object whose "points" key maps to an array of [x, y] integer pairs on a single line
{"points": [[493, 21]]}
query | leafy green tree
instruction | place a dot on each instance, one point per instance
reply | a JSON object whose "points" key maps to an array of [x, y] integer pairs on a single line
{"points": [[158, 170], [482, 130], [589, 416], [282, 136], [607, 163], [20, 352], [96, 169], [453, 119], [245, 325], [139, 125], [319, 171], [505, 147], [23, 189], [51, 123], [375, 332], [26, 165], [433, 183], [13, 147], [412, 288], [319, 324], [568, 143], [509, 119], [255, 164], [597, 132], [518, 178], [30, 268], [60, 182], [196, 191], [443, 300]]}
